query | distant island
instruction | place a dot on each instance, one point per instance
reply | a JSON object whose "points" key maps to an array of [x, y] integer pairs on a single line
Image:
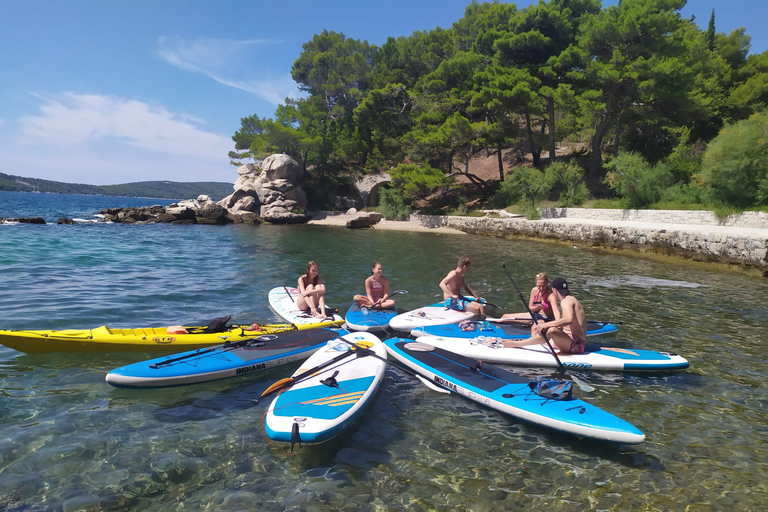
{"points": [[157, 189]]}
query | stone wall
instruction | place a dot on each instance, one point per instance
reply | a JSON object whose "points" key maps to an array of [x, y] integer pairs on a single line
{"points": [[663, 232], [693, 217]]}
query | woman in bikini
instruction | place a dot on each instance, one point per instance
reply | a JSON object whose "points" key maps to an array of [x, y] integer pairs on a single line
{"points": [[542, 303], [376, 290], [312, 292]]}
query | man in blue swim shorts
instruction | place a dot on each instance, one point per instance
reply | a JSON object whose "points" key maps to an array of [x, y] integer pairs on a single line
{"points": [[454, 283], [568, 332]]}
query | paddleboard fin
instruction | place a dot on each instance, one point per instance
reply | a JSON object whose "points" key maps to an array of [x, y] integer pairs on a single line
{"points": [[330, 382], [295, 437]]}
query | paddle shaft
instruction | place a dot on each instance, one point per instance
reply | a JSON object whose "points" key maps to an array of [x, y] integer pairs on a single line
{"points": [[283, 383], [543, 334], [484, 302]]}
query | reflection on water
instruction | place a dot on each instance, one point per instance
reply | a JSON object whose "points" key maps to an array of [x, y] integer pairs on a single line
{"points": [[69, 441], [640, 281]]}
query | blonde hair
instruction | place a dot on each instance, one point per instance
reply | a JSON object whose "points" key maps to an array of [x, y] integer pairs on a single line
{"points": [[542, 275]]}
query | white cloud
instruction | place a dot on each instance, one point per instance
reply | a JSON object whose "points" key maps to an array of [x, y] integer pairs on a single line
{"points": [[72, 119], [98, 139], [216, 58]]}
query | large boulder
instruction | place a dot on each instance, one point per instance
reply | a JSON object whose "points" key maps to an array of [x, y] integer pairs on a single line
{"points": [[270, 191]]}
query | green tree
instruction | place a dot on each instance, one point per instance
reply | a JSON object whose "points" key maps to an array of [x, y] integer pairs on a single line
{"points": [[630, 56], [735, 164]]}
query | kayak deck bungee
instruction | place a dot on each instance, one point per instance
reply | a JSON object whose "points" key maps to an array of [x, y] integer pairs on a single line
{"points": [[146, 339], [282, 300], [502, 330], [490, 349], [368, 319], [227, 360], [435, 314], [510, 393], [322, 404]]}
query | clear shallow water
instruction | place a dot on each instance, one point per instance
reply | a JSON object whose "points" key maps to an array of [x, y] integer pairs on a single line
{"points": [[69, 441]]}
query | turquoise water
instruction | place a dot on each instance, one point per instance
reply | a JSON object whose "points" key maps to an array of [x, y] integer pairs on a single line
{"points": [[69, 441]]}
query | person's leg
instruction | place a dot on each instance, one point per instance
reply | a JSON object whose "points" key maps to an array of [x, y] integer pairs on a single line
{"points": [[321, 306], [362, 301], [309, 301]]}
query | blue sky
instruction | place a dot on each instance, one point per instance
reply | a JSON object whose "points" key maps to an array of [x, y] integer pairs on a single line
{"points": [[117, 91]]}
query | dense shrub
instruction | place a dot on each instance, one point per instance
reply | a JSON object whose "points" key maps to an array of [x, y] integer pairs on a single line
{"points": [[636, 181], [735, 164]]}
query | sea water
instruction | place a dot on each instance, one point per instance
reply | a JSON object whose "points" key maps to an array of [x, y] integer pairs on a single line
{"points": [[69, 441]]}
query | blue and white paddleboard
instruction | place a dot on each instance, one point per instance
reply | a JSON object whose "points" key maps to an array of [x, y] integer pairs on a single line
{"points": [[489, 348], [321, 406], [510, 393], [501, 330], [436, 314], [222, 361], [368, 319], [282, 300]]}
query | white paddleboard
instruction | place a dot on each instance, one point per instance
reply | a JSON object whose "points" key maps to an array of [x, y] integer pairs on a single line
{"points": [[436, 314], [490, 349], [322, 405], [282, 300]]}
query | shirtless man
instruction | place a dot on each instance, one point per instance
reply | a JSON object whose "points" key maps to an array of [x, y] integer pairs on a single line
{"points": [[568, 332], [452, 285]]}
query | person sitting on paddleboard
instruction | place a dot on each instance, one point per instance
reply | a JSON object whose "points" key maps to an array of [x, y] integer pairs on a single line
{"points": [[312, 292], [376, 290], [452, 285], [568, 332], [542, 303]]}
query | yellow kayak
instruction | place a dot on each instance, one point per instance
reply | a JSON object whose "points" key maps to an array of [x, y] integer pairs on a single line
{"points": [[148, 339]]}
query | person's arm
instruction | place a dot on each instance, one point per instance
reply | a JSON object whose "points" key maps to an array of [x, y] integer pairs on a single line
{"points": [[368, 292], [444, 285], [535, 306], [555, 308], [385, 289]]}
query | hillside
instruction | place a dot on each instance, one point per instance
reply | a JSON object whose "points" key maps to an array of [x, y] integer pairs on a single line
{"points": [[158, 189]]}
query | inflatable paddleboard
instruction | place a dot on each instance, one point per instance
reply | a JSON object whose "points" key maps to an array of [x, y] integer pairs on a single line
{"points": [[228, 360], [490, 349], [436, 314], [510, 393], [320, 407], [282, 300], [368, 319], [502, 330]]}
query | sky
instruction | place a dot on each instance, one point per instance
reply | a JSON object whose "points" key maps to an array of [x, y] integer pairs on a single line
{"points": [[118, 91]]}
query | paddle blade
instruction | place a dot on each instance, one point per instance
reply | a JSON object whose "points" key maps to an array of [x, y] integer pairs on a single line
{"points": [[277, 386]]}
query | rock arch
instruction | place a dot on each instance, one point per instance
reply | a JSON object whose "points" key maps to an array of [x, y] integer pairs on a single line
{"points": [[368, 187]]}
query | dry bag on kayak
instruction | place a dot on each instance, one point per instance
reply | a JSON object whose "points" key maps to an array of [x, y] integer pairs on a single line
{"points": [[552, 388]]}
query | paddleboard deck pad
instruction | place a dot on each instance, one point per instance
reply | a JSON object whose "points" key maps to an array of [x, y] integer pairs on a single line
{"points": [[436, 314], [510, 393], [282, 300], [227, 360], [320, 407], [469, 329], [368, 319], [491, 349]]}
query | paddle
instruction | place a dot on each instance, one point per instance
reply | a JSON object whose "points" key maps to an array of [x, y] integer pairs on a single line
{"points": [[582, 385], [396, 292], [290, 381], [481, 301], [228, 346]]}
